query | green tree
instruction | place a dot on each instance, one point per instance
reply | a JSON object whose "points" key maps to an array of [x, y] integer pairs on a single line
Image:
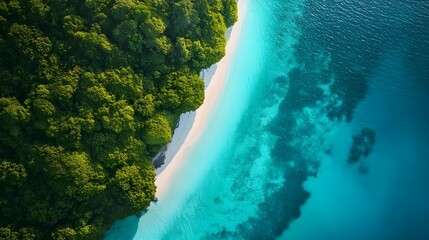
{"points": [[183, 91], [132, 182], [157, 131]]}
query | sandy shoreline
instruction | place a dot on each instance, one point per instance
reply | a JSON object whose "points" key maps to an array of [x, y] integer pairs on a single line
{"points": [[199, 121]]}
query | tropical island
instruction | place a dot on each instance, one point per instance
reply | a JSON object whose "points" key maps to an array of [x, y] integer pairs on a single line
{"points": [[89, 92]]}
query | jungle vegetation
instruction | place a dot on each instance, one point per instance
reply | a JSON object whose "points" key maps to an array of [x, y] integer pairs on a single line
{"points": [[90, 90]]}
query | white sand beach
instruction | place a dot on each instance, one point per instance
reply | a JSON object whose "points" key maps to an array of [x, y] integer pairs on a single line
{"points": [[192, 125]]}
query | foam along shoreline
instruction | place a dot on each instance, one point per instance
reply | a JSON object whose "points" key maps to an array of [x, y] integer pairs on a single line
{"points": [[197, 122]]}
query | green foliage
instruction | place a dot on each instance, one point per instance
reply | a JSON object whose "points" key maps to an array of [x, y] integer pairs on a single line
{"points": [[12, 175], [89, 92], [132, 182], [7, 233], [157, 131], [30, 41], [11, 111], [144, 106], [183, 91], [73, 23], [229, 12], [65, 234]]}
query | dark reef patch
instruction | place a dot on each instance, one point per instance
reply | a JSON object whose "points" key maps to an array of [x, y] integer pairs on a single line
{"points": [[276, 212], [333, 60], [279, 209], [362, 145]]}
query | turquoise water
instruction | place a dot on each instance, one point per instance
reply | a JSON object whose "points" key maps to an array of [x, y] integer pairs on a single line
{"points": [[321, 131]]}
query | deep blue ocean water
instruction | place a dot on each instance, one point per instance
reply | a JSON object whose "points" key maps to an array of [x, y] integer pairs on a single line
{"points": [[321, 132]]}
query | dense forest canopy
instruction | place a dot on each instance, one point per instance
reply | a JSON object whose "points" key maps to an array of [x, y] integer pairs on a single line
{"points": [[89, 92]]}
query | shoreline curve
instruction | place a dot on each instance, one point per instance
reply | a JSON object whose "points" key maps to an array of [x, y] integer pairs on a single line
{"points": [[214, 89]]}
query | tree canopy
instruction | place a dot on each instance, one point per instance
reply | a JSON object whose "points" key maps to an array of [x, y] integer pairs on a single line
{"points": [[89, 92]]}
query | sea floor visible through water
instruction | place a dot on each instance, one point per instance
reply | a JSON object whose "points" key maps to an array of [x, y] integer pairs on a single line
{"points": [[321, 131]]}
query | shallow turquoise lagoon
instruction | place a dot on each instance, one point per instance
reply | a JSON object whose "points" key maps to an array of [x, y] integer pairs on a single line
{"points": [[321, 131]]}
